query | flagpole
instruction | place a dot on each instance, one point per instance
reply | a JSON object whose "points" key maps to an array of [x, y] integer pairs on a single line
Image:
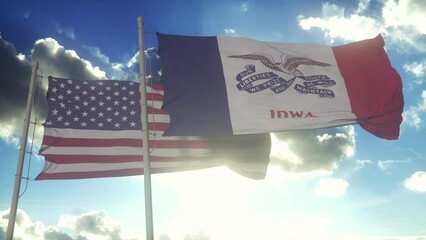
{"points": [[145, 136], [18, 175]]}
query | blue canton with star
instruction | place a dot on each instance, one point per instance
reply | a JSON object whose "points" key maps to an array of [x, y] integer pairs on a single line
{"points": [[92, 104]]}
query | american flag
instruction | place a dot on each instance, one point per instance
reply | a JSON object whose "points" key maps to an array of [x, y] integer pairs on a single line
{"points": [[93, 129]]}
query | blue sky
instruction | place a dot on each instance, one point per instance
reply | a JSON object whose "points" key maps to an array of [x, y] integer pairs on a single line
{"points": [[338, 183]]}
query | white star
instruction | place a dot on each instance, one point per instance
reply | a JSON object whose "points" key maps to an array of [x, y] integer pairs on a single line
{"points": [[116, 102], [59, 119], [108, 88], [84, 114], [85, 103], [92, 88], [116, 93], [54, 89], [116, 113], [123, 88], [101, 114], [77, 98], [77, 87], [85, 83], [55, 112], [93, 98], [117, 125], [92, 119], [100, 83], [62, 85], [132, 102], [124, 98], [84, 92], [100, 124], [69, 81], [48, 123], [133, 124], [109, 109], [62, 105], [83, 124], [132, 112], [60, 97], [76, 119], [69, 112], [66, 123], [124, 118], [131, 83], [93, 109], [109, 119], [76, 107], [116, 84], [108, 98], [124, 108], [100, 93], [101, 103], [69, 91], [131, 93]]}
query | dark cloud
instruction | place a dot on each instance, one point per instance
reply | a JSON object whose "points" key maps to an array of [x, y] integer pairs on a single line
{"points": [[14, 81], [15, 75], [308, 151]]}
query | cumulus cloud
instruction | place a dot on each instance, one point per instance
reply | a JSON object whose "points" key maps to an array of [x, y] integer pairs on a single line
{"points": [[331, 187], [57, 61], [416, 182], [307, 151], [92, 225], [400, 21], [413, 115], [416, 69], [153, 65], [15, 75], [25, 228], [335, 23]]}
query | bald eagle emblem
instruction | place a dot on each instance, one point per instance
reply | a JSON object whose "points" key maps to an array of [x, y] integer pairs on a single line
{"points": [[287, 65]]}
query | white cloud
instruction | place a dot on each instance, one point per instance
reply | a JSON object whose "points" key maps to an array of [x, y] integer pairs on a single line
{"points": [[25, 228], [335, 24], [401, 22], [96, 52], [418, 70], [231, 32], [93, 225], [414, 114], [331, 187], [244, 7], [69, 32], [8, 134], [410, 13], [359, 164], [416, 182], [57, 61], [388, 164], [362, 6]]}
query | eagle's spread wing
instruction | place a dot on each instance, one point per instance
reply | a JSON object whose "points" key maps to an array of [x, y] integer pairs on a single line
{"points": [[265, 59], [291, 63]]}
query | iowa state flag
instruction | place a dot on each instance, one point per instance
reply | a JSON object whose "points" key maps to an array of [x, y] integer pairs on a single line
{"points": [[230, 85]]}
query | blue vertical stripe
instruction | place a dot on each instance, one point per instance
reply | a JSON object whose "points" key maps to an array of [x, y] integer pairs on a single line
{"points": [[192, 69]]}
